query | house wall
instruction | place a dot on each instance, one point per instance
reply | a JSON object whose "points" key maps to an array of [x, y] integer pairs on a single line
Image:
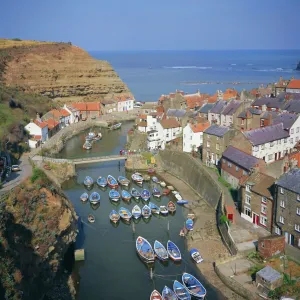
{"points": [[268, 247], [142, 129], [293, 91], [108, 108], [240, 142], [214, 118], [151, 123], [33, 129], [125, 105], [153, 140], [270, 285], [191, 138], [32, 144]]}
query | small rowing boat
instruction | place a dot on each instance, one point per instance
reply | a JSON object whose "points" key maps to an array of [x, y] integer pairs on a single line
{"points": [[163, 184], [116, 126], [195, 254], [97, 137], [137, 177], [114, 195], [135, 193], [125, 195], [171, 207], [160, 251], [163, 210], [114, 216], [112, 182], [154, 208], [155, 295], [173, 251], [91, 218], [193, 285], [94, 198], [87, 145], [88, 181], [123, 181], [166, 192], [178, 196], [168, 294], [189, 224], [151, 171], [146, 212], [145, 195], [144, 250], [156, 192], [84, 197], [155, 179], [136, 212], [180, 291], [170, 187], [125, 214], [182, 201], [102, 181]]}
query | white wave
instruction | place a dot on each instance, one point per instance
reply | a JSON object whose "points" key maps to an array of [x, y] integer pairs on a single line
{"points": [[274, 70], [188, 67], [233, 64]]}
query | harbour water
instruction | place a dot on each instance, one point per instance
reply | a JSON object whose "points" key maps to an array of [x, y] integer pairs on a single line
{"points": [[112, 269]]}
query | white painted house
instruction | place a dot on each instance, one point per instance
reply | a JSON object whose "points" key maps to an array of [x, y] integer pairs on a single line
{"points": [[125, 104], [148, 122], [38, 132], [293, 86], [154, 139], [74, 113], [168, 129]]}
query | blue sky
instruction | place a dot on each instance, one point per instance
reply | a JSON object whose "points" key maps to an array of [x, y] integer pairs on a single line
{"points": [[156, 24]]}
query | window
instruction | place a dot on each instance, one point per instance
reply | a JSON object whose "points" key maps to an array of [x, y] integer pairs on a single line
{"points": [[247, 211], [262, 244], [281, 219], [298, 197], [208, 144], [297, 227], [281, 191], [291, 140], [292, 131], [248, 199], [217, 146], [297, 129], [298, 211], [174, 134], [244, 172], [248, 188], [263, 220], [271, 144], [263, 199], [285, 141], [263, 209], [270, 156], [255, 149], [229, 164], [242, 122], [277, 230], [262, 147], [297, 138], [167, 135], [262, 122], [236, 169], [279, 142], [282, 204]]}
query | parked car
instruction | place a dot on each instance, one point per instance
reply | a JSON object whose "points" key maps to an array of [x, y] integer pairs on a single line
{"points": [[15, 168]]}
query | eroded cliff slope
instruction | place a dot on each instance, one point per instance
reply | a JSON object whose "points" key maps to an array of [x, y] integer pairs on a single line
{"points": [[58, 70]]}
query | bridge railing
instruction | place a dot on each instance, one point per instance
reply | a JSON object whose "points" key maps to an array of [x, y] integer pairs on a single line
{"points": [[108, 157]]}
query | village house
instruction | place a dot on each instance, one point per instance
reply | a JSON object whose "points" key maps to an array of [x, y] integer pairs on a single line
{"points": [[149, 122], [62, 116], [38, 132], [267, 279], [142, 123], [205, 109], [231, 111], [215, 141], [154, 140], [193, 134], [74, 113], [124, 103], [148, 107], [229, 94], [280, 86], [53, 127], [108, 106], [248, 119], [287, 210], [214, 115], [173, 100], [293, 86], [195, 101], [272, 104], [88, 109], [257, 199], [236, 164]]}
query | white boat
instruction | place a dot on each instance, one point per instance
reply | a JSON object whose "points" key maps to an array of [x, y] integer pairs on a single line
{"points": [[87, 146], [178, 197], [163, 184], [163, 210], [195, 254], [136, 212]]}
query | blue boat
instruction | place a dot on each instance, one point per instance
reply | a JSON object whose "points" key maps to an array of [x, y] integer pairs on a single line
{"points": [[84, 197], [155, 179], [193, 285], [154, 208], [168, 294], [144, 250], [137, 177], [182, 201], [125, 195], [88, 181], [114, 216], [145, 195], [189, 224], [102, 181], [180, 291], [135, 193], [123, 181], [94, 198], [112, 182], [125, 214], [114, 195], [160, 251], [156, 192], [195, 254], [173, 251], [136, 212], [146, 212]]}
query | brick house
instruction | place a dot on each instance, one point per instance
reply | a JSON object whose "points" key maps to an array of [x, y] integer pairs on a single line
{"points": [[215, 141], [287, 210], [236, 164], [271, 245], [88, 109], [293, 86], [257, 200]]}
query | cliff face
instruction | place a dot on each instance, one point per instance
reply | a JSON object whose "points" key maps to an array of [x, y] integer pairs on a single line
{"points": [[58, 70], [37, 227]]}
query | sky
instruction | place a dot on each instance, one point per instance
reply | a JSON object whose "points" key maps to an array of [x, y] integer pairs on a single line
{"points": [[155, 24]]}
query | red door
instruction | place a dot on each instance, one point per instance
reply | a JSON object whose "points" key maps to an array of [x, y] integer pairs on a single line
{"points": [[255, 219]]}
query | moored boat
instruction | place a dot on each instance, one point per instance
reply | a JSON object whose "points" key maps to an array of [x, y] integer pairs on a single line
{"points": [[87, 145], [125, 214], [178, 196], [136, 177], [170, 187], [193, 285], [163, 210], [84, 197], [168, 294], [114, 195], [136, 212], [189, 224], [112, 182], [146, 212], [151, 171], [163, 184], [135, 193], [160, 251], [90, 136], [156, 192], [173, 251], [166, 192], [171, 207], [97, 137], [155, 295], [146, 177], [182, 201], [145, 195], [181, 291], [195, 254], [154, 208], [116, 126], [123, 181], [125, 195], [144, 250], [91, 218], [88, 181], [94, 198], [102, 181], [114, 216], [155, 179]]}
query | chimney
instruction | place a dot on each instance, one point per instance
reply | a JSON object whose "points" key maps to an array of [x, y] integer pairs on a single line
{"points": [[292, 77], [270, 119], [264, 107], [198, 92]]}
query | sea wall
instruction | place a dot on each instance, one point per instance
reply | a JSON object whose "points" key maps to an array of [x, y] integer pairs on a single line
{"points": [[191, 171]]}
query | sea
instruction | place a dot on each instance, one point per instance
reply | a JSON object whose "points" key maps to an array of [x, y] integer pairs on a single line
{"points": [[150, 74]]}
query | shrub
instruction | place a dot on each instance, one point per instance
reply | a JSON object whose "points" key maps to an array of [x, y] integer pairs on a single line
{"points": [[224, 219], [16, 40], [37, 174]]}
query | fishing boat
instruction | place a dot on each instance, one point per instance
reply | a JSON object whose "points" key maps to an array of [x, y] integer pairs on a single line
{"points": [[114, 216], [145, 195], [163, 210], [155, 295], [112, 182], [182, 201], [125, 214], [136, 212], [154, 208], [174, 192], [88, 181], [178, 197], [170, 187], [193, 285], [146, 212], [97, 137], [160, 251], [123, 181], [136, 177], [166, 192], [94, 198], [87, 145], [90, 136], [155, 179], [168, 294], [84, 197], [195, 254], [102, 181], [171, 207], [180, 291], [156, 192], [189, 224], [144, 250], [125, 195], [135, 193], [173, 251], [114, 195], [116, 126], [162, 184], [91, 218]]}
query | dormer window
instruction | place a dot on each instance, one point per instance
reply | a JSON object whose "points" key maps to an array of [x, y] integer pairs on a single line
{"points": [[248, 188]]}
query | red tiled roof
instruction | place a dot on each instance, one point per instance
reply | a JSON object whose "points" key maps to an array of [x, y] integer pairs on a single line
{"points": [[195, 100], [294, 84], [87, 106], [64, 113], [40, 124], [121, 98], [37, 137], [169, 123], [144, 117], [230, 93], [51, 123], [199, 127], [160, 109]]}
